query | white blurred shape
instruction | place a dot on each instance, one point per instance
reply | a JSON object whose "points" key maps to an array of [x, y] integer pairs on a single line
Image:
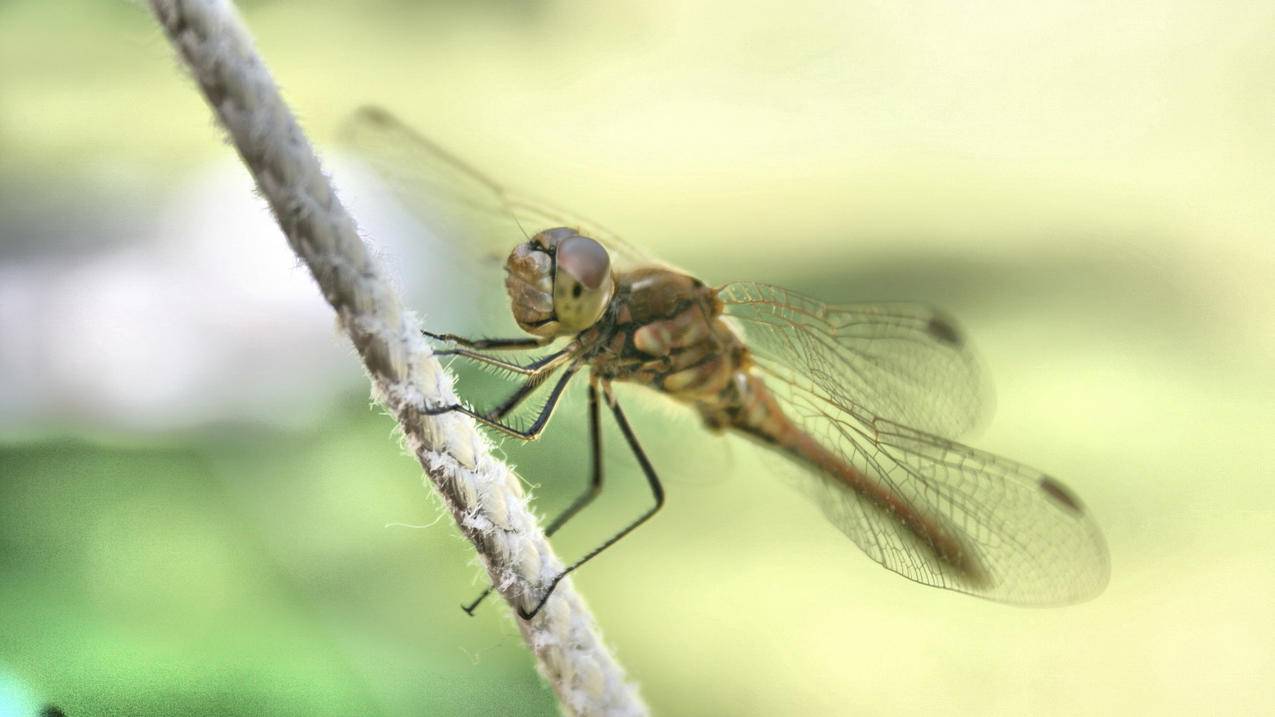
{"points": [[209, 319]]}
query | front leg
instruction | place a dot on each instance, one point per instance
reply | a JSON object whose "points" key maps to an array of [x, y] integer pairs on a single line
{"points": [[492, 419], [540, 365], [493, 344]]}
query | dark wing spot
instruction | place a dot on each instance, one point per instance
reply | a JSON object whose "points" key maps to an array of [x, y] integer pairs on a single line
{"points": [[1060, 494], [576, 291], [942, 329], [376, 115]]}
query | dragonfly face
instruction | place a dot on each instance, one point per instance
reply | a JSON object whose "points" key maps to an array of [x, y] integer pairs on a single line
{"points": [[559, 283]]}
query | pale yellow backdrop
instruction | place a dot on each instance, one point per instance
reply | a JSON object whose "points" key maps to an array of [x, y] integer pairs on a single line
{"points": [[1087, 185]]}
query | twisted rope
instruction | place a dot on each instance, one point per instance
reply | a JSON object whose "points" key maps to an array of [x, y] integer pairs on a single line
{"points": [[483, 495]]}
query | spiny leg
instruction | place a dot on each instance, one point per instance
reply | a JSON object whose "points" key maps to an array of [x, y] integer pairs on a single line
{"points": [[503, 409], [544, 363], [492, 418], [595, 482], [518, 396], [493, 344], [657, 491]]}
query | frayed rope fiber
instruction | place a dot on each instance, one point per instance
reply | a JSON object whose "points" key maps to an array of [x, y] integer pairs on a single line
{"points": [[483, 494]]}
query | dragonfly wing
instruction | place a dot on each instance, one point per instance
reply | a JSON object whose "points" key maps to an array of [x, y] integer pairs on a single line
{"points": [[905, 361], [455, 201], [852, 378], [1029, 540]]}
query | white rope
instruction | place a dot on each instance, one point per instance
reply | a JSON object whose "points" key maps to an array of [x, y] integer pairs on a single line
{"points": [[483, 494]]}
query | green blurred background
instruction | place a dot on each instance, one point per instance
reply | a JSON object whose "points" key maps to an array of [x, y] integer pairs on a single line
{"points": [[199, 512]]}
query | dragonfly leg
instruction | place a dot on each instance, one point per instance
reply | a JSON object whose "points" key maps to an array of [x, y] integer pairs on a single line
{"points": [[517, 397], [595, 480], [492, 419], [493, 344], [657, 491], [537, 372], [595, 483], [544, 363]]}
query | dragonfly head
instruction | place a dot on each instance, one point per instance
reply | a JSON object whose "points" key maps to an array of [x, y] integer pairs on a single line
{"points": [[559, 282]]}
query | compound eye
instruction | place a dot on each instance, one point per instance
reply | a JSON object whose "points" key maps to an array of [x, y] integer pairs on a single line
{"points": [[585, 260], [583, 285]]}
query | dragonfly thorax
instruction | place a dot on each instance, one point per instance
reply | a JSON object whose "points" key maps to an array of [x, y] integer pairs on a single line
{"points": [[559, 282]]}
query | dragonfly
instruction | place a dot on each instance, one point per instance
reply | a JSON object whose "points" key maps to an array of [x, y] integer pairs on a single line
{"points": [[863, 401]]}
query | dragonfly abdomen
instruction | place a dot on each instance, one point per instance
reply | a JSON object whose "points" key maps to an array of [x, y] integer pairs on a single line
{"points": [[757, 414]]}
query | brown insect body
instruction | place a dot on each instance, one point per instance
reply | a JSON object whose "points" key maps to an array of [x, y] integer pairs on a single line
{"points": [[868, 397], [665, 330]]}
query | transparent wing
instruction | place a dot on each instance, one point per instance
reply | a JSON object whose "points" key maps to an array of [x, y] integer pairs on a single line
{"points": [[456, 202], [930, 509], [905, 361]]}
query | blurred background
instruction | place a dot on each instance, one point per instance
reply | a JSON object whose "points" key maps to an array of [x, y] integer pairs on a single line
{"points": [[202, 513]]}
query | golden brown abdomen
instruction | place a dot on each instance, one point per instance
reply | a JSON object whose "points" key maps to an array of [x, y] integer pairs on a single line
{"points": [[753, 410]]}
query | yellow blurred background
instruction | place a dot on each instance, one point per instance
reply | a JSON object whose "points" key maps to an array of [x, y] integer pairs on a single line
{"points": [[199, 513]]}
